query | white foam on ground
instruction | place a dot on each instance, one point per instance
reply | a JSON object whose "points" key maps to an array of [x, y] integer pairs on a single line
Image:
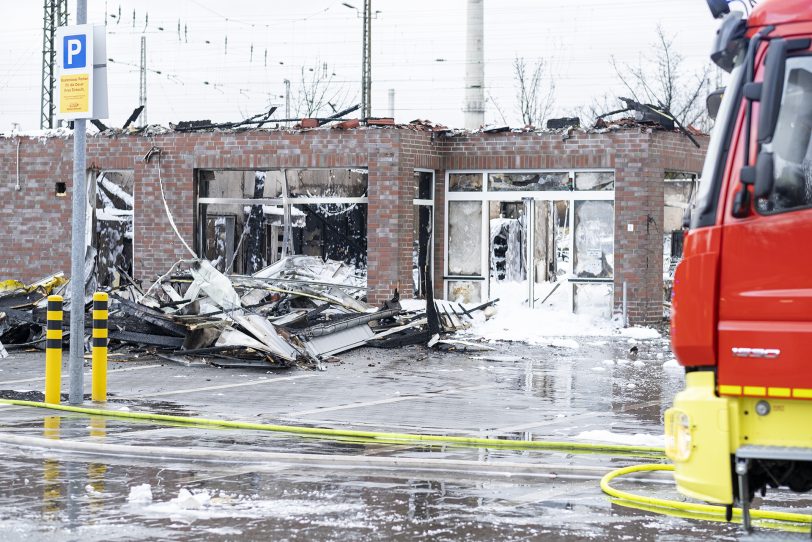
{"points": [[190, 506], [637, 439], [536, 326], [516, 322]]}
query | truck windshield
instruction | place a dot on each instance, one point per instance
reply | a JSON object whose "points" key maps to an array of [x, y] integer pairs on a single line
{"points": [[707, 199]]}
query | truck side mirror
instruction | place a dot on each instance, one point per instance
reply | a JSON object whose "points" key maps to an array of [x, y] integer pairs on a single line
{"points": [[772, 89], [713, 101], [730, 41], [765, 176]]}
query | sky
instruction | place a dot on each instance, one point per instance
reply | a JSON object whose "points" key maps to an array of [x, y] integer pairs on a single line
{"points": [[225, 61]]}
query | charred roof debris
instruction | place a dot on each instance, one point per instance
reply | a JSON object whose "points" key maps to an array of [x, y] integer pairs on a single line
{"points": [[299, 311], [642, 115], [649, 114]]}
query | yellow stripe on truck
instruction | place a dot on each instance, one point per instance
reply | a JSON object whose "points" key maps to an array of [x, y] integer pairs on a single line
{"points": [[757, 391], [726, 389], [761, 391]]}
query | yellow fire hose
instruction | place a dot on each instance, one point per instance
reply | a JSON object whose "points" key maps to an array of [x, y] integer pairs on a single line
{"points": [[699, 510], [373, 436], [624, 498]]}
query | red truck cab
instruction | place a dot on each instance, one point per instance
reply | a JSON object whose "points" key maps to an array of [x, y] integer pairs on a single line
{"points": [[742, 297]]}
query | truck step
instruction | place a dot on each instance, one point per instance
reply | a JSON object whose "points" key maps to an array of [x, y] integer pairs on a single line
{"points": [[780, 453]]}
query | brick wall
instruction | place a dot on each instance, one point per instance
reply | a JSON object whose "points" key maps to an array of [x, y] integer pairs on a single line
{"points": [[37, 223]]}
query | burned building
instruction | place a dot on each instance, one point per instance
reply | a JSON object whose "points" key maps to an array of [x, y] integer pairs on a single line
{"points": [[552, 219]]}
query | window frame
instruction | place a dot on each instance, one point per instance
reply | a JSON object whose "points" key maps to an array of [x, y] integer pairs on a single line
{"points": [[808, 55]]}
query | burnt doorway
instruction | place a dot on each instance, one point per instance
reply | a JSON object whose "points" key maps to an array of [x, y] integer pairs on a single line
{"points": [[112, 228], [529, 250], [423, 229]]}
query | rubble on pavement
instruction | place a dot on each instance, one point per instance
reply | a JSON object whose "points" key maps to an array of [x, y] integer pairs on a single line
{"points": [[299, 311]]}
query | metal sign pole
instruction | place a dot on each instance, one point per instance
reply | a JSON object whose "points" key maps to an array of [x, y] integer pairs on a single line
{"points": [[77, 253]]}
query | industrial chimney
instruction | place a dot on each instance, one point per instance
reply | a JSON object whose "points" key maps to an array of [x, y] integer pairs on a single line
{"points": [[475, 66]]}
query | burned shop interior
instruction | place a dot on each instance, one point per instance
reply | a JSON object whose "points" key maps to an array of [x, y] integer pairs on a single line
{"points": [[247, 220]]}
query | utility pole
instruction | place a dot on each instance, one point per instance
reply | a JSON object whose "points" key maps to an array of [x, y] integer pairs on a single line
{"points": [[142, 87], [366, 63], [366, 56], [55, 14], [78, 250], [287, 98]]}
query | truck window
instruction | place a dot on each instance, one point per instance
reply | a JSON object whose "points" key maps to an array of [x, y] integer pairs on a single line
{"points": [[792, 144]]}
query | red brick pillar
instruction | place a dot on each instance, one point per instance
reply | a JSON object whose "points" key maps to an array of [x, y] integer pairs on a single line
{"points": [[389, 221], [639, 205]]}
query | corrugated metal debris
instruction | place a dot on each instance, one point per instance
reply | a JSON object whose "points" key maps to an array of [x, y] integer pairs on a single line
{"points": [[299, 311]]}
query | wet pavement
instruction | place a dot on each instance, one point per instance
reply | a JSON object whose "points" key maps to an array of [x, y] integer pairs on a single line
{"points": [[316, 489]]}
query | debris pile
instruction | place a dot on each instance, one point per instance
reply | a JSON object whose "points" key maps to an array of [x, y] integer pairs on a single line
{"points": [[299, 311]]}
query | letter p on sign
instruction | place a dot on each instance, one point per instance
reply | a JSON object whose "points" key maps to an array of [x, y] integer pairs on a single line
{"points": [[74, 52]]}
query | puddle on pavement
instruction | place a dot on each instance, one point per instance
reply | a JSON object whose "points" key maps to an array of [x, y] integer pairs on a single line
{"points": [[65, 500]]}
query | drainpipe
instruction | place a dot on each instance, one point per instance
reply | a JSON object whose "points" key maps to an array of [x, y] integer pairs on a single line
{"points": [[17, 186]]}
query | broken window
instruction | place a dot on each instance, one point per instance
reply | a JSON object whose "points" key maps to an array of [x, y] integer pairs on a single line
{"points": [[465, 238], [562, 237], [423, 247], [326, 183], [249, 219], [465, 182], [220, 240], [678, 196], [556, 180], [594, 239], [424, 185], [594, 180], [113, 232], [332, 231], [465, 291], [508, 241]]}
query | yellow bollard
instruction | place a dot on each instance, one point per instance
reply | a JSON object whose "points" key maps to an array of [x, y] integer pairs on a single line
{"points": [[53, 350], [99, 388]]}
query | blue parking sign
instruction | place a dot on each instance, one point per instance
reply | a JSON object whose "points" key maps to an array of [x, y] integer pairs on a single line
{"points": [[74, 51]]}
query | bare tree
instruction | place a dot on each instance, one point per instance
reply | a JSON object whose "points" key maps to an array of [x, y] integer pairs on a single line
{"points": [[535, 91], [662, 79], [497, 107], [318, 94]]}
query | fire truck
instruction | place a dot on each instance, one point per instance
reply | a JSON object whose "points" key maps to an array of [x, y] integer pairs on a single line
{"points": [[741, 323]]}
